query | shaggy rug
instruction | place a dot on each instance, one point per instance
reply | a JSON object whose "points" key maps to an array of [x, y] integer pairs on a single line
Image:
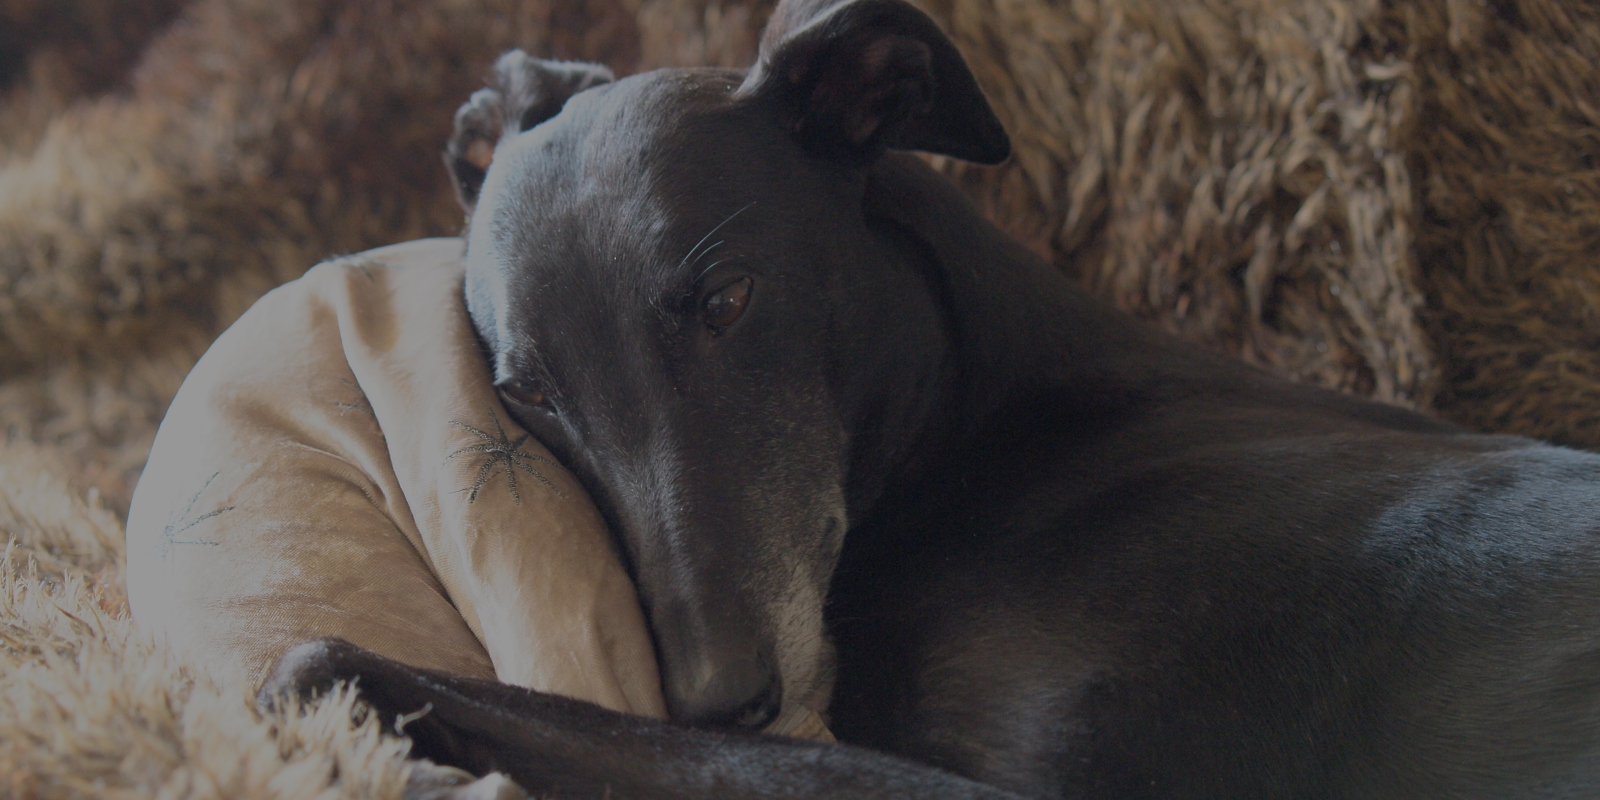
{"points": [[1396, 199]]}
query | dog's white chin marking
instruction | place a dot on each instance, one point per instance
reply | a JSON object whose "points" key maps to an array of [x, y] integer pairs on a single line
{"points": [[804, 653]]}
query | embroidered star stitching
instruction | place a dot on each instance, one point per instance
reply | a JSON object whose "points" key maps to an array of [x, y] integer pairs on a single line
{"points": [[501, 450], [178, 523]]}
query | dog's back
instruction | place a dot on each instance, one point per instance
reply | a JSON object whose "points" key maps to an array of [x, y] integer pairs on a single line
{"points": [[1341, 613]]}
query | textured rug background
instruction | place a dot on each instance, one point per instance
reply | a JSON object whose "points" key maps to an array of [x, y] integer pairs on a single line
{"points": [[1396, 199]]}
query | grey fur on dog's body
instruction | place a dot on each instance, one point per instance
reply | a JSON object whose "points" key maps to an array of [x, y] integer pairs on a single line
{"points": [[1083, 559]]}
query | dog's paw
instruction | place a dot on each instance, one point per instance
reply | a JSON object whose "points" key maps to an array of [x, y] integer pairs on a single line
{"points": [[307, 671]]}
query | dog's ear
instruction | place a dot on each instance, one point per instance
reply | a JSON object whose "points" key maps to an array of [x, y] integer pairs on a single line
{"points": [[860, 76], [525, 92]]}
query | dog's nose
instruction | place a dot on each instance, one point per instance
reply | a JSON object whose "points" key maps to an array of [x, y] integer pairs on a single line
{"points": [[741, 693]]}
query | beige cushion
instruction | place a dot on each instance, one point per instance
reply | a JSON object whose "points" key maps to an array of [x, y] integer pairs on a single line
{"points": [[338, 464]]}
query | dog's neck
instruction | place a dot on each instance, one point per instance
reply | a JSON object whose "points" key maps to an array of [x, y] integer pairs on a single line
{"points": [[1020, 330], [1026, 342]]}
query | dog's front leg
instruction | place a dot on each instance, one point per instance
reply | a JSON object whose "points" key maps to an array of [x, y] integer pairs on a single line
{"points": [[557, 746]]}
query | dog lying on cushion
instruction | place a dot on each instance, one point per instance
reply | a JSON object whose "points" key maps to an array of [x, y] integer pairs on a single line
{"points": [[845, 430]]}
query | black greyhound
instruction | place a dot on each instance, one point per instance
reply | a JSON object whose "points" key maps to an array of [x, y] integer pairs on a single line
{"points": [[848, 432]]}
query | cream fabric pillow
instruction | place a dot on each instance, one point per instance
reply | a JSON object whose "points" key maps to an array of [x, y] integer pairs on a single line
{"points": [[338, 464]]}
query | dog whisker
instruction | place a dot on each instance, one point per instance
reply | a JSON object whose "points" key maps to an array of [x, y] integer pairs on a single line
{"points": [[709, 234]]}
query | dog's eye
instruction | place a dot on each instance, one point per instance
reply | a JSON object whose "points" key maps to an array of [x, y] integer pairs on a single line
{"points": [[525, 393], [724, 306]]}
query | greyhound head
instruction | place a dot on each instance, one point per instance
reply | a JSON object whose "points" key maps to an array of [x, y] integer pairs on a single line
{"points": [[684, 296]]}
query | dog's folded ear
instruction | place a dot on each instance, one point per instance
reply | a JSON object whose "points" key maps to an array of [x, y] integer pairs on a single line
{"points": [[856, 77], [525, 92]]}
